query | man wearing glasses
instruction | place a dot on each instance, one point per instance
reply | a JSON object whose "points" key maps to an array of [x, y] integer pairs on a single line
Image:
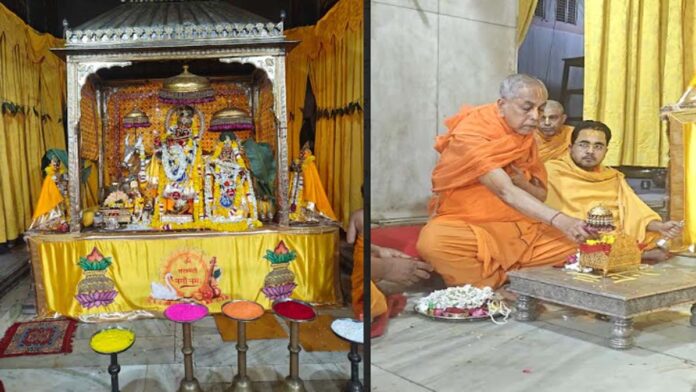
{"points": [[578, 181]]}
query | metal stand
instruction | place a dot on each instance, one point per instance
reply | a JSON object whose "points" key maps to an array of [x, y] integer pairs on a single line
{"points": [[293, 382], [189, 383], [354, 385], [241, 382], [114, 368]]}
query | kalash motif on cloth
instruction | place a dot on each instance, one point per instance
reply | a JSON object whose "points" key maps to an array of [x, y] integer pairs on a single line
{"points": [[280, 282], [178, 204], [612, 250]]}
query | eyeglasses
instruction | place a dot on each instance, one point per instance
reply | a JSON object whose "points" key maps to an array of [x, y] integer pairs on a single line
{"points": [[595, 147]]}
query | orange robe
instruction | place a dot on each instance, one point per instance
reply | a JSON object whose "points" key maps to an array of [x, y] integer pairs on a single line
{"points": [[378, 302], [574, 191], [313, 189], [556, 146], [474, 237]]}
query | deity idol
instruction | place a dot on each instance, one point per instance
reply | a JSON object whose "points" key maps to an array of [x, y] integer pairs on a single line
{"points": [[180, 157], [230, 201]]}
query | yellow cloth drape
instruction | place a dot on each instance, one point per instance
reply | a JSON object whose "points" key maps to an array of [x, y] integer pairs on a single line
{"points": [[334, 49], [337, 78], [33, 78], [638, 57], [296, 82], [574, 191], [525, 15], [139, 269], [689, 236]]}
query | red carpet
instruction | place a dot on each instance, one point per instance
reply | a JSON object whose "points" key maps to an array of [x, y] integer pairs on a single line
{"points": [[38, 337], [403, 238]]}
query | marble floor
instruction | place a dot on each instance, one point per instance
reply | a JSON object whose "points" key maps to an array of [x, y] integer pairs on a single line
{"points": [[155, 362], [564, 350]]}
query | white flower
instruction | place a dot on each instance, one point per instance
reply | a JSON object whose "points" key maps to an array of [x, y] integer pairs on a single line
{"points": [[463, 297]]}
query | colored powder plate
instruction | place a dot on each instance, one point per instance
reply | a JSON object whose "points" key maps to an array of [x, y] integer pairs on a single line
{"points": [[185, 313], [242, 310], [112, 340], [350, 330], [294, 310]]}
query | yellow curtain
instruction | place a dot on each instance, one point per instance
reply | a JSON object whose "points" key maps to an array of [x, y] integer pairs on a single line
{"points": [[525, 15], [336, 75], [297, 71], [689, 236], [638, 57], [32, 94]]}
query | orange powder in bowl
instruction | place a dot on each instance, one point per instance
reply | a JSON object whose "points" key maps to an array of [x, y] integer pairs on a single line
{"points": [[243, 310]]}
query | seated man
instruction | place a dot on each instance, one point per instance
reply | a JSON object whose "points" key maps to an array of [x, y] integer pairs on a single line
{"points": [[387, 266], [578, 181], [553, 136], [487, 214]]}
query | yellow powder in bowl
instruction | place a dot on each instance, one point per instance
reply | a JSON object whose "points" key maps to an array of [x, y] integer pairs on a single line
{"points": [[112, 340]]}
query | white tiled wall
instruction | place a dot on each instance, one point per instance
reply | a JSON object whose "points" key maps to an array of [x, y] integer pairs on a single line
{"points": [[428, 57]]}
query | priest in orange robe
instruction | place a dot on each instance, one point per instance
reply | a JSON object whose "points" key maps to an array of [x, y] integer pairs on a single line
{"points": [[553, 136], [488, 215], [579, 181]]}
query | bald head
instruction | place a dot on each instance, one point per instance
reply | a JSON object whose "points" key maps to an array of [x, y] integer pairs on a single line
{"points": [[521, 98], [552, 119]]}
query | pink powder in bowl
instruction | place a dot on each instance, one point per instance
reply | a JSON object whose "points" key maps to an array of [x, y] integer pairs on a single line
{"points": [[185, 313]]}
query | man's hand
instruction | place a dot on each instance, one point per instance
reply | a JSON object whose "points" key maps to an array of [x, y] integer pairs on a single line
{"points": [[532, 186], [574, 229], [669, 229], [406, 271], [383, 252], [355, 226], [518, 178]]}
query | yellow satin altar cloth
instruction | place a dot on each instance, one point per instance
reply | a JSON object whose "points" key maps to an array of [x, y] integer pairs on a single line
{"points": [[141, 261]]}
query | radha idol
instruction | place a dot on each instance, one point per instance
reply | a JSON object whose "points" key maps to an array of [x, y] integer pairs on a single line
{"points": [[230, 202]]}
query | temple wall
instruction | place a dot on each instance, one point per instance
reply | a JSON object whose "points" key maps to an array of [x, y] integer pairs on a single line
{"points": [[428, 57]]}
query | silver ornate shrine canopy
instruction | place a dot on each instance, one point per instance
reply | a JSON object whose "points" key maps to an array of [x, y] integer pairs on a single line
{"points": [[174, 30]]}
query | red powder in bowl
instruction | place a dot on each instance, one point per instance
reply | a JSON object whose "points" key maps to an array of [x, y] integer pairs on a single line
{"points": [[294, 310]]}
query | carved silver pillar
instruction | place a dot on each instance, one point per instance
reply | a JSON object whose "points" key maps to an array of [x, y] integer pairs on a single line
{"points": [[102, 97], [280, 108], [78, 72], [621, 334], [73, 142]]}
